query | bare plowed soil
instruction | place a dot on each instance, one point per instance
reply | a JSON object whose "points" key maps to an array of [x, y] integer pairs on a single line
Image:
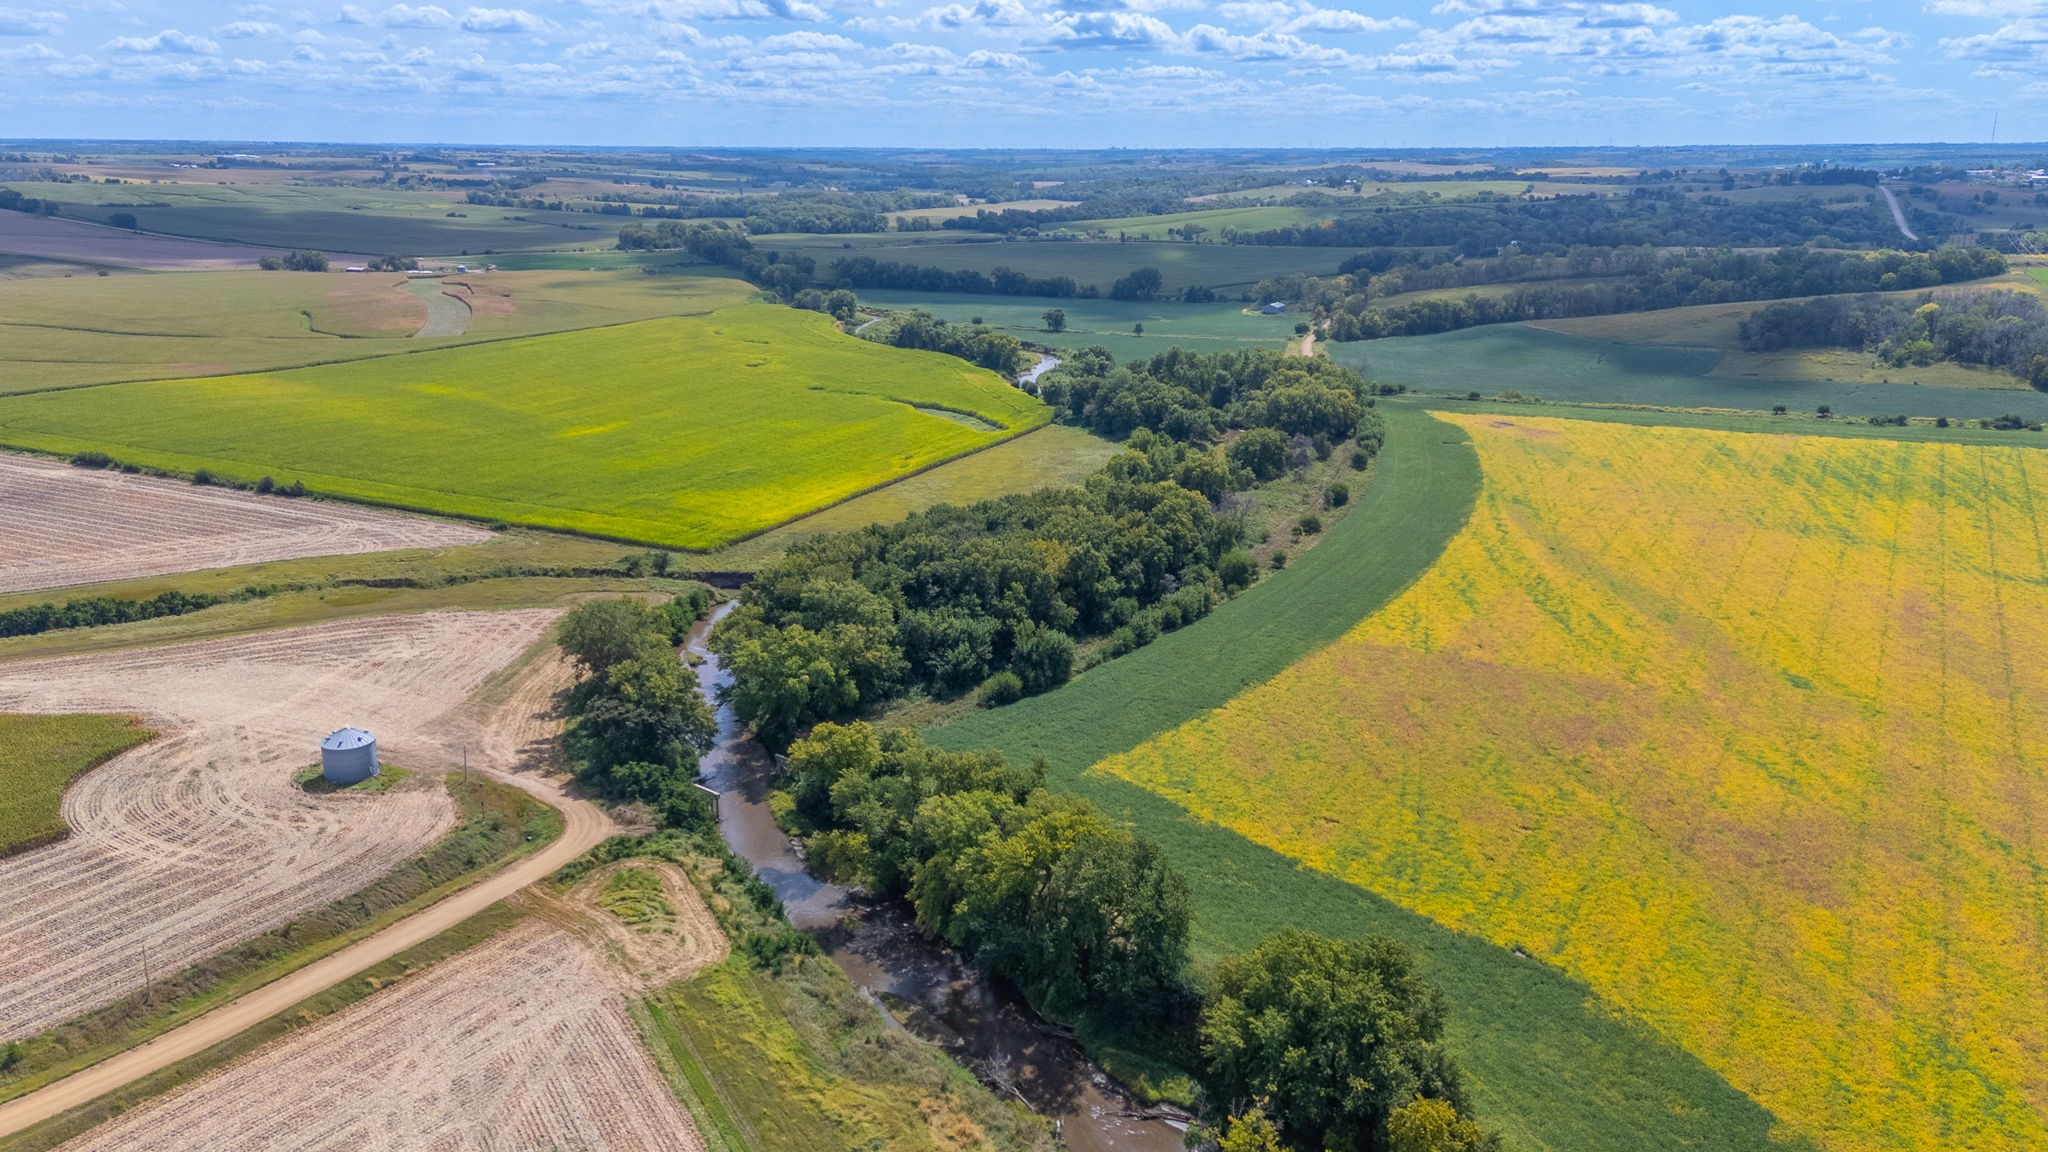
{"points": [[202, 838], [31, 235], [61, 525], [520, 1044]]}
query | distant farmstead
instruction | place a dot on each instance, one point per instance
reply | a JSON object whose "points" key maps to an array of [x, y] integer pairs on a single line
{"points": [[1274, 309]]}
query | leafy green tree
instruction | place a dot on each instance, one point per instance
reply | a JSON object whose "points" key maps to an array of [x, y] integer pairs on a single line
{"points": [[122, 220], [1041, 658], [648, 709], [1427, 1125], [2038, 377], [1251, 1132], [1055, 319], [1142, 284], [597, 634], [1262, 452], [1334, 1034]]}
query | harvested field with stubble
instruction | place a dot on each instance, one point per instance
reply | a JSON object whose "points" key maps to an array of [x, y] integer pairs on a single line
{"points": [[201, 839], [677, 938], [522, 1042], [1744, 731], [61, 525]]}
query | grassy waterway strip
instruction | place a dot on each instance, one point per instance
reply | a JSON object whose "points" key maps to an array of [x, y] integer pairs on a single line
{"points": [[1551, 1067]]}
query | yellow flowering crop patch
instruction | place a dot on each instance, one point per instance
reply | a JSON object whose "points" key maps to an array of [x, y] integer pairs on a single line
{"points": [[1748, 732]]}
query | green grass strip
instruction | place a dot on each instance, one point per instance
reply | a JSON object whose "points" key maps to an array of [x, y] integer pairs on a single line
{"points": [[1551, 1067]]}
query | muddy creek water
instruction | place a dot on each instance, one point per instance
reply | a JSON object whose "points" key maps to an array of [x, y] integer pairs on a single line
{"points": [[923, 987]]}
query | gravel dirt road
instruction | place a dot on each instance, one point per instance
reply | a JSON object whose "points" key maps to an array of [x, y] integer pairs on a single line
{"points": [[522, 1042], [586, 825]]}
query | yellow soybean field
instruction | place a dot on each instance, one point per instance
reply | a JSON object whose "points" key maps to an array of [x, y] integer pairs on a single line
{"points": [[1745, 731]]}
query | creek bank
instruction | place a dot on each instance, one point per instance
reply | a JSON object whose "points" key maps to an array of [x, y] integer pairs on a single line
{"points": [[924, 987]]}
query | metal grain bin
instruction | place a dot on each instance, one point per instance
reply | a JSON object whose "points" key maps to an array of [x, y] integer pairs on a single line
{"points": [[348, 756]]}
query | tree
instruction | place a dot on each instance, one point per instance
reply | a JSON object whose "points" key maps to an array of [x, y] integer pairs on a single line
{"points": [[1055, 319], [122, 220], [1335, 1035], [1262, 452], [600, 633], [1042, 658], [1251, 1132], [1142, 284], [1426, 1125], [647, 709], [2038, 377]]}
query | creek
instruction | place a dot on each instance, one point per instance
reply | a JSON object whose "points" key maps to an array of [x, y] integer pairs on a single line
{"points": [[921, 986]]}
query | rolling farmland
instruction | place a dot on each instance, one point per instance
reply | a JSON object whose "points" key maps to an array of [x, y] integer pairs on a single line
{"points": [[201, 839], [522, 1041], [63, 333], [65, 518], [1778, 805], [689, 432], [1577, 369], [1233, 268], [1106, 323]]}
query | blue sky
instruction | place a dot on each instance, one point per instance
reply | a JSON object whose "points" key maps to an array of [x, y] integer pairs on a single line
{"points": [[1148, 73]]}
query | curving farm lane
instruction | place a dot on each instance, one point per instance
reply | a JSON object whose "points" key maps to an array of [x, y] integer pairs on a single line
{"points": [[585, 824]]}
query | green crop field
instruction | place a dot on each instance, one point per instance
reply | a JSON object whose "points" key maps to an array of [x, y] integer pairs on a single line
{"points": [[1255, 218], [39, 757], [1050, 456], [1108, 323], [1551, 1066], [61, 333], [1230, 268], [689, 432], [1557, 366], [317, 216]]}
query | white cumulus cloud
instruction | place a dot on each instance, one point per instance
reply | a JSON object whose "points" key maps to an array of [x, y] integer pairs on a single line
{"points": [[496, 20], [170, 41]]}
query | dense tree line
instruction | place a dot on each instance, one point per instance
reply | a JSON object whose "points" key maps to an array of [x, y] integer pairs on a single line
{"points": [[93, 611], [867, 272], [2003, 330], [1678, 280], [818, 212], [1040, 890], [1194, 398], [639, 721], [730, 247], [996, 594], [1662, 217], [297, 260], [974, 343], [13, 201], [1305, 1042], [954, 596]]}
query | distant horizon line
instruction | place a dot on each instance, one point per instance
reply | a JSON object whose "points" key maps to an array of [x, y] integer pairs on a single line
{"points": [[211, 143]]}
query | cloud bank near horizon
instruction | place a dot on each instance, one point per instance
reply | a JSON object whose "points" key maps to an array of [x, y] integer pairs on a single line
{"points": [[1029, 73]]}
